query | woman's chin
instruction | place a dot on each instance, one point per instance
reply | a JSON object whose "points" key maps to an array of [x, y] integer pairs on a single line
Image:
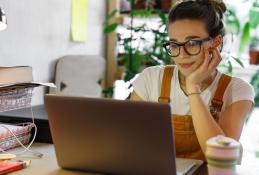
{"points": [[186, 71], [185, 74]]}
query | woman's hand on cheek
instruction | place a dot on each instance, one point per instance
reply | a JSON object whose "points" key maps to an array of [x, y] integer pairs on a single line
{"points": [[215, 60], [212, 58]]}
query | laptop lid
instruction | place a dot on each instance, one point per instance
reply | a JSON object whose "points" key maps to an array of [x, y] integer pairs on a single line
{"points": [[111, 136]]}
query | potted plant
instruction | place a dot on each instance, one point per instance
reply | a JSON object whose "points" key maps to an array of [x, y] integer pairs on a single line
{"points": [[245, 30], [163, 5], [254, 51], [136, 51], [233, 28], [250, 32]]}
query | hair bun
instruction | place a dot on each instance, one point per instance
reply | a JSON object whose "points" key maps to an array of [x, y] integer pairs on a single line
{"points": [[217, 5]]}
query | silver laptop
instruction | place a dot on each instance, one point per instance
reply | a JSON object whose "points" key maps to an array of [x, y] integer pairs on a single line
{"points": [[112, 136]]}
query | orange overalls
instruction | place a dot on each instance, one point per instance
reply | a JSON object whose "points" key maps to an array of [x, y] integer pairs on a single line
{"points": [[186, 142]]}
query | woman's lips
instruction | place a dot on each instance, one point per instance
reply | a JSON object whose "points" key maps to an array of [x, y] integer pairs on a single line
{"points": [[186, 65]]}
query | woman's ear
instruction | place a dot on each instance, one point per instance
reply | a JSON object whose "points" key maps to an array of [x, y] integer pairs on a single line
{"points": [[217, 41]]}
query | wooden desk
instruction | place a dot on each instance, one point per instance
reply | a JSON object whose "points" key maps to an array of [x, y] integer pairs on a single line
{"points": [[47, 165]]}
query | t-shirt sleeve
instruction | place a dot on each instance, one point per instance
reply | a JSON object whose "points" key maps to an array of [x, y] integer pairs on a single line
{"points": [[142, 85], [239, 90]]}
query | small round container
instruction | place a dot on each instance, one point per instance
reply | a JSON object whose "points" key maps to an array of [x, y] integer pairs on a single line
{"points": [[222, 155], [222, 148]]}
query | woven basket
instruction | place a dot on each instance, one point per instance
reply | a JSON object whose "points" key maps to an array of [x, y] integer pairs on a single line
{"points": [[16, 98]]}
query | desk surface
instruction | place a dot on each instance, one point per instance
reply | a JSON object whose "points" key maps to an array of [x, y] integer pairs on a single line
{"points": [[47, 165]]}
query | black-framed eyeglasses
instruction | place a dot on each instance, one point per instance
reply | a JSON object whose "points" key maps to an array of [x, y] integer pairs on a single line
{"points": [[191, 47]]}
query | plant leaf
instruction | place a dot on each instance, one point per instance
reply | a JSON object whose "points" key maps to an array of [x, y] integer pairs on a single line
{"points": [[254, 17], [238, 61], [162, 16], [136, 60], [111, 14], [230, 68], [232, 22], [245, 37], [141, 13], [110, 28]]}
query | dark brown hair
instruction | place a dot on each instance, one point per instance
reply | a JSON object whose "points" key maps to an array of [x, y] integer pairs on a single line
{"points": [[209, 11]]}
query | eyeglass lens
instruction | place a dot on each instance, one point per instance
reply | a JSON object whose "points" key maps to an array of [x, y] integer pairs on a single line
{"points": [[192, 47]]}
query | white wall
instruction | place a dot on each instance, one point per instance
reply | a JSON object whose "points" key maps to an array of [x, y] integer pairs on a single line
{"points": [[38, 34]]}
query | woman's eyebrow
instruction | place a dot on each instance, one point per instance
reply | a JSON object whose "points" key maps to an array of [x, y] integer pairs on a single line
{"points": [[192, 37], [172, 39], [186, 38]]}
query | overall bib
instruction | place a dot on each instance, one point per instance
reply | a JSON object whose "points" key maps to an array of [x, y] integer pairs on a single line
{"points": [[186, 142]]}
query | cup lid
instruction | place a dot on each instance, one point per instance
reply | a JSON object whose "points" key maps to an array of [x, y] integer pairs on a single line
{"points": [[221, 141]]}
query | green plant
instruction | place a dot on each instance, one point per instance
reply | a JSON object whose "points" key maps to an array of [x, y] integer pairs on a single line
{"points": [[138, 51], [244, 29], [108, 92], [233, 27], [251, 24]]}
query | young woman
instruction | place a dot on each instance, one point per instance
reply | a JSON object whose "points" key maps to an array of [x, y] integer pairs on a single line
{"points": [[204, 102]]}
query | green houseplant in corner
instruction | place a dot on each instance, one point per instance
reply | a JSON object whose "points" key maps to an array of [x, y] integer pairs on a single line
{"points": [[247, 30], [250, 33], [233, 28]]}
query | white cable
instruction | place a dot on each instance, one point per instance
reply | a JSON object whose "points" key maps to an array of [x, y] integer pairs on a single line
{"points": [[26, 148], [21, 144]]}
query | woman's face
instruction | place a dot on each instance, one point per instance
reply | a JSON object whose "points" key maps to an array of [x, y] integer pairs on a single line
{"points": [[181, 31]]}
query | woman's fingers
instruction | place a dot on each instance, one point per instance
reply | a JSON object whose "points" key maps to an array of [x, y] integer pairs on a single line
{"points": [[206, 61], [216, 59]]}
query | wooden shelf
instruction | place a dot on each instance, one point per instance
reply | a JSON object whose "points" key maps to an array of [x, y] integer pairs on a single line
{"points": [[111, 63]]}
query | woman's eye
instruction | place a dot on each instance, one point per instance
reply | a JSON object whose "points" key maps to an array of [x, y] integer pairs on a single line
{"points": [[173, 46], [192, 43]]}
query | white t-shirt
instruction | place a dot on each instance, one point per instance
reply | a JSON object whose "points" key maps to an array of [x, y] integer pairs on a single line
{"points": [[148, 86]]}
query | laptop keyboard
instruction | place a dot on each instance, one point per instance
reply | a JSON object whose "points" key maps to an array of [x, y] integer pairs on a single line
{"points": [[185, 166]]}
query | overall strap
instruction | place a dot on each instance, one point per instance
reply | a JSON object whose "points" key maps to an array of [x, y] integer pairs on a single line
{"points": [[166, 85], [217, 101]]}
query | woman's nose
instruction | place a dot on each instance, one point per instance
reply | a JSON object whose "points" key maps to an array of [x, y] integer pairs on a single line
{"points": [[183, 53]]}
